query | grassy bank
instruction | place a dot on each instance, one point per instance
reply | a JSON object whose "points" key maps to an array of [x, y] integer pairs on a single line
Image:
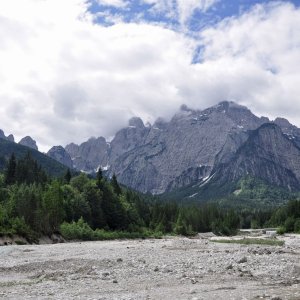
{"points": [[269, 242]]}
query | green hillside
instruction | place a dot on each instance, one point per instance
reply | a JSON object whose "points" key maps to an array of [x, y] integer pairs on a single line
{"points": [[51, 166], [248, 192]]}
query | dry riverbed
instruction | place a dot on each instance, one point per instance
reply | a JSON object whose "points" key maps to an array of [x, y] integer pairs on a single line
{"points": [[170, 268]]}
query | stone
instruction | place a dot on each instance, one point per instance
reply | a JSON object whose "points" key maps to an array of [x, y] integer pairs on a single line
{"points": [[242, 260]]}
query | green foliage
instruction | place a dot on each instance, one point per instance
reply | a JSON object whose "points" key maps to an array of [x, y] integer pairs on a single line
{"points": [[10, 172], [281, 230], [79, 230], [250, 241], [32, 204], [115, 185], [297, 225], [68, 176]]}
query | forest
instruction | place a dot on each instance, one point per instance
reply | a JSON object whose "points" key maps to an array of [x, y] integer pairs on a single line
{"points": [[33, 204]]}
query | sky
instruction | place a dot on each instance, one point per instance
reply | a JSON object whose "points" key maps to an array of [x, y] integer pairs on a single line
{"points": [[73, 69]]}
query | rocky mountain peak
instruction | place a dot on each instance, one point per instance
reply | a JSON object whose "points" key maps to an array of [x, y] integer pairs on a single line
{"points": [[2, 135], [291, 131], [136, 123], [11, 138], [28, 142], [282, 122], [160, 123], [61, 155], [8, 138]]}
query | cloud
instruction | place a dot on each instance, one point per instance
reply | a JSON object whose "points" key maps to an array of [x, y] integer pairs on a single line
{"points": [[65, 78], [186, 8], [113, 3], [259, 53], [181, 10]]}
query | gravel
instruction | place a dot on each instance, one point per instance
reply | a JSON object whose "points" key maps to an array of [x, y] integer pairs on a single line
{"points": [[169, 268]]}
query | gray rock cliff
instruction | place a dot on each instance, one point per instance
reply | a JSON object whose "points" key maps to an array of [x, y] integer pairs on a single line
{"points": [[169, 155], [61, 155], [28, 142]]}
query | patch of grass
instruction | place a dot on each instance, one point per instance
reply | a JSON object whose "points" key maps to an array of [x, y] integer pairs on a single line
{"points": [[18, 242], [80, 230], [269, 242]]}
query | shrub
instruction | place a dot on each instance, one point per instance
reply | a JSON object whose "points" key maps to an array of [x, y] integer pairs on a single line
{"points": [[289, 224], [79, 230], [297, 226], [281, 230]]}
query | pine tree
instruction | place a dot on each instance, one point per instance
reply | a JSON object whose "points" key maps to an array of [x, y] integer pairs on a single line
{"points": [[68, 176], [116, 185], [99, 176], [10, 173]]}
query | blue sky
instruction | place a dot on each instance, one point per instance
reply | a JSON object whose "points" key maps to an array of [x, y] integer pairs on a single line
{"points": [[197, 20], [88, 67]]}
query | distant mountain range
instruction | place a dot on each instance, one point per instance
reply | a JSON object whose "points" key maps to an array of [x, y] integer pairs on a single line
{"points": [[205, 149]]}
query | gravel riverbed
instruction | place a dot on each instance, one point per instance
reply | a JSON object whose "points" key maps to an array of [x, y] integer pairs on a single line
{"points": [[169, 268]]}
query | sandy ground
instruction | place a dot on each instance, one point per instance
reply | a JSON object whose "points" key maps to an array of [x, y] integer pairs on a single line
{"points": [[170, 268]]}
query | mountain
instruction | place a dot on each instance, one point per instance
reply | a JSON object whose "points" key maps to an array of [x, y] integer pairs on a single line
{"points": [[166, 155], [199, 153], [28, 142], [51, 166], [61, 155], [8, 138], [267, 154], [89, 156], [265, 167]]}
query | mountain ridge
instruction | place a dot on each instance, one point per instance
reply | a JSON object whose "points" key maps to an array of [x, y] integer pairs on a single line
{"points": [[216, 146], [172, 154]]}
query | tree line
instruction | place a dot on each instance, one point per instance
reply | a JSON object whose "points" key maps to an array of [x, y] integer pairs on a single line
{"points": [[79, 207]]}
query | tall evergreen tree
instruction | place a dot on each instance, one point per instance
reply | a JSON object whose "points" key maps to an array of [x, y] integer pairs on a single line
{"points": [[115, 185], [10, 173], [68, 176]]}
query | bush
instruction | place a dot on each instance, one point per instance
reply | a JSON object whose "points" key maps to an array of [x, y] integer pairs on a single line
{"points": [[281, 230], [289, 224], [297, 226], [79, 230], [19, 226]]}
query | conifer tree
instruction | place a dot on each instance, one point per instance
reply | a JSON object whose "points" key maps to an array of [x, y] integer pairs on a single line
{"points": [[99, 177], [10, 173], [68, 176], [115, 185]]}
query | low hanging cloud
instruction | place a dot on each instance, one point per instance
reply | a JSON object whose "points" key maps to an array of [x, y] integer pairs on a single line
{"points": [[65, 78]]}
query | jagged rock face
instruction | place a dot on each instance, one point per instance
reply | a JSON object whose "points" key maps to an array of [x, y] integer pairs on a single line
{"points": [[8, 138], [11, 138], [291, 131], [267, 154], [89, 156], [28, 142], [2, 135], [167, 155], [174, 154], [226, 141], [61, 155]]}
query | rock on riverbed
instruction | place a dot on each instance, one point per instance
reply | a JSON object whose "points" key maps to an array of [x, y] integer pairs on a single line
{"points": [[170, 268]]}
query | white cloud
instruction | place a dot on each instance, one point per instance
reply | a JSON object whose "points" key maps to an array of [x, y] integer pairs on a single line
{"points": [[114, 3], [261, 46], [186, 8], [65, 79], [182, 10]]}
